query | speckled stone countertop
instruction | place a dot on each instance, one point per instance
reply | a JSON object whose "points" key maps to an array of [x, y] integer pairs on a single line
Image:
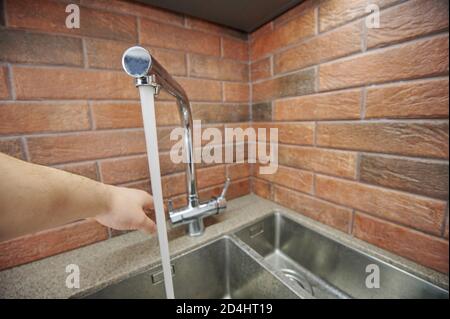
{"points": [[110, 261]]}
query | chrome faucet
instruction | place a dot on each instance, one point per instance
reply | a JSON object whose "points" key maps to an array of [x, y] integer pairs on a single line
{"points": [[138, 63]]}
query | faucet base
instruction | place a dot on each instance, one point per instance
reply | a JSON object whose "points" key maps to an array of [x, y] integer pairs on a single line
{"points": [[196, 227]]}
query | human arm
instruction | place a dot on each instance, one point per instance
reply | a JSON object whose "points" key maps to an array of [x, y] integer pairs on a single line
{"points": [[35, 197]]}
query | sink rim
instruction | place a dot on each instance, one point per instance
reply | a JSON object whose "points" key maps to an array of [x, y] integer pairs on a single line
{"points": [[368, 250]]}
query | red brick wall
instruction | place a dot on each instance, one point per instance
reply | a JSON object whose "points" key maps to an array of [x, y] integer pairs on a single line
{"points": [[363, 120], [362, 113], [65, 101]]}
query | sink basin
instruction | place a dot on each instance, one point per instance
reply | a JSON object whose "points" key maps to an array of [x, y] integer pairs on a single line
{"points": [[220, 269], [326, 268]]}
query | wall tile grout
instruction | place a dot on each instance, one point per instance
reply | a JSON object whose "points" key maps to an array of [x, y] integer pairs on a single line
{"points": [[10, 82]]}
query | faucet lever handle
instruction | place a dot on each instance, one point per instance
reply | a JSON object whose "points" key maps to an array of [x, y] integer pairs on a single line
{"points": [[170, 205], [225, 188]]}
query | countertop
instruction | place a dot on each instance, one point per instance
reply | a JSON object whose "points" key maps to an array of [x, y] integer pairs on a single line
{"points": [[113, 260]]}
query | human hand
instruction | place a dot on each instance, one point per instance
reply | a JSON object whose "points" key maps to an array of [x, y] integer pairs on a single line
{"points": [[126, 210]]}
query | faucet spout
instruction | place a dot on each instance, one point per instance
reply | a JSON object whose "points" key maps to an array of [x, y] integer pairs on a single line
{"points": [[146, 70]]}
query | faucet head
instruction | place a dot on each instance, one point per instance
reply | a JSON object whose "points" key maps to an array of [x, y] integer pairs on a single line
{"points": [[136, 61]]}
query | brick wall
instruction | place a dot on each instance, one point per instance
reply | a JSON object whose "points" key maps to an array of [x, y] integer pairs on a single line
{"points": [[363, 120], [66, 102], [362, 113]]}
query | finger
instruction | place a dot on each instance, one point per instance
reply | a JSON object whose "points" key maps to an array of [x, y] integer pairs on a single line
{"points": [[150, 205], [147, 202], [147, 226]]}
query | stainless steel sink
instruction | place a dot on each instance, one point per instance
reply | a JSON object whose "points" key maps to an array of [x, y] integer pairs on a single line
{"points": [[220, 269], [275, 257], [326, 268]]}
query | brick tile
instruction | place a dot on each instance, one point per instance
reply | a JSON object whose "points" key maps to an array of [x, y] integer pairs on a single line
{"points": [[299, 83], [410, 210], [167, 113], [210, 176], [293, 31], [424, 249], [324, 212], [413, 60], [290, 133], [88, 170], [235, 49], [266, 28], [292, 178], [117, 114], [217, 69], [406, 138], [50, 242], [414, 176], [202, 25], [262, 112], [238, 171], [164, 142], [319, 160], [27, 47], [446, 227], [236, 92], [237, 189], [85, 146], [206, 177], [220, 113], [128, 114], [333, 13], [262, 188], [261, 69], [424, 99], [12, 147], [138, 9], [4, 87], [19, 118], [78, 84], [201, 90], [295, 11], [168, 166], [334, 44], [124, 170], [173, 61], [172, 37], [332, 106], [105, 54], [50, 16], [409, 20]]}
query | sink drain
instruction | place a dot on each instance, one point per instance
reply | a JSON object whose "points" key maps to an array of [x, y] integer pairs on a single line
{"points": [[298, 279]]}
